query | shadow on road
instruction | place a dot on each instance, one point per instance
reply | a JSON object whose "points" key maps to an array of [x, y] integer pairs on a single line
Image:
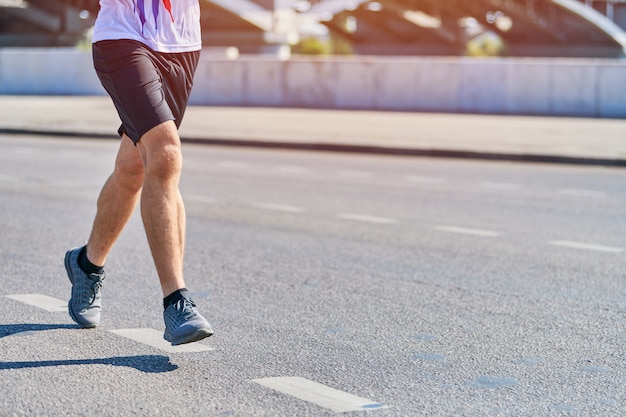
{"points": [[11, 329], [143, 363]]}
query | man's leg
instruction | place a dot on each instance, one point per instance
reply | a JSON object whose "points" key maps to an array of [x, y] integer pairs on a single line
{"points": [[116, 202], [162, 208], [163, 215]]}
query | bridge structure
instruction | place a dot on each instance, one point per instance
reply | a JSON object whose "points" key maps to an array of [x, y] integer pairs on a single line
{"points": [[444, 27], [615, 10], [577, 28]]}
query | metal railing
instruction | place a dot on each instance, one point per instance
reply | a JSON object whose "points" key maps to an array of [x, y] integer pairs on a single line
{"points": [[607, 7]]}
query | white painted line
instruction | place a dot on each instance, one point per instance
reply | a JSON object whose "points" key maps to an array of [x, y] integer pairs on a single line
{"points": [[291, 169], [356, 174], [318, 394], [467, 231], [418, 179], [76, 154], [232, 164], [500, 186], [279, 207], [8, 178], [200, 198], [586, 246], [23, 151], [41, 301], [155, 339], [576, 192], [65, 184], [366, 218]]}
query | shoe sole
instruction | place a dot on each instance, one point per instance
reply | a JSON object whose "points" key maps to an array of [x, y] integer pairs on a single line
{"points": [[68, 269], [194, 337]]}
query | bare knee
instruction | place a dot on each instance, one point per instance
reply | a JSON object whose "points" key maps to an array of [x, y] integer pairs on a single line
{"points": [[129, 169], [162, 153]]}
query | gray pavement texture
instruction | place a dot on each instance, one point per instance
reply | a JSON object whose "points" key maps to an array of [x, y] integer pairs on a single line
{"points": [[523, 138], [493, 289]]}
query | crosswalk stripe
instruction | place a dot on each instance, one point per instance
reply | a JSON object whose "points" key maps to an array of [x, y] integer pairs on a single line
{"points": [[321, 395], [500, 186], [200, 198], [586, 246], [279, 207], [9, 178], [41, 301], [366, 218], [575, 192], [420, 179], [291, 169], [356, 174], [232, 164], [467, 231], [155, 339]]}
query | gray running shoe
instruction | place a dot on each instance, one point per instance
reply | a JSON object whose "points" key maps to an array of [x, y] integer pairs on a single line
{"points": [[183, 323], [85, 304]]}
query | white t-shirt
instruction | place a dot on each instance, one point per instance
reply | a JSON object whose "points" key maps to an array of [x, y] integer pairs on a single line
{"points": [[163, 25]]}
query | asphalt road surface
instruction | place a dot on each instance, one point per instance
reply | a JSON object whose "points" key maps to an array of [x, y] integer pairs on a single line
{"points": [[336, 283]]}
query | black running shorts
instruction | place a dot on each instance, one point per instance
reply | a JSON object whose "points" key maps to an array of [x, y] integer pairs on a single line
{"points": [[147, 87]]}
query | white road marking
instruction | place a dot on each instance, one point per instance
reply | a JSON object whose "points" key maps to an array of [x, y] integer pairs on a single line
{"points": [[418, 179], [291, 169], [75, 154], [500, 186], [576, 192], [155, 339], [232, 164], [586, 246], [200, 198], [366, 218], [318, 394], [41, 301], [467, 231], [8, 178], [279, 207], [24, 151], [356, 174], [65, 184]]}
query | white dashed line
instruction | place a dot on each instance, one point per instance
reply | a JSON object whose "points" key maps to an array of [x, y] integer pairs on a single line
{"points": [[575, 192], [8, 178], [356, 174], [291, 169], [366, 218], [318, 394], [155, 339], [586, 246], [200, 198], [76, 154], [24, 151], [232, 164], [467, 231], [41, 301], [500, 186], [279, 207], [65, 184], [418, 179]]}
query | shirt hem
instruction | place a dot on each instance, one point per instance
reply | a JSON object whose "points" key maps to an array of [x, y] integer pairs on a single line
{"points": [[167, 49]]}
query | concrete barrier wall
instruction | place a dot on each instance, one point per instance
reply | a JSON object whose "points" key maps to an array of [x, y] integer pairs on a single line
{"points": [[550, 87], [43, 71]]}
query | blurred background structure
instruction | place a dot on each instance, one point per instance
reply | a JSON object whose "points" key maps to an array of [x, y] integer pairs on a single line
{"points": [[547, 28]]}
